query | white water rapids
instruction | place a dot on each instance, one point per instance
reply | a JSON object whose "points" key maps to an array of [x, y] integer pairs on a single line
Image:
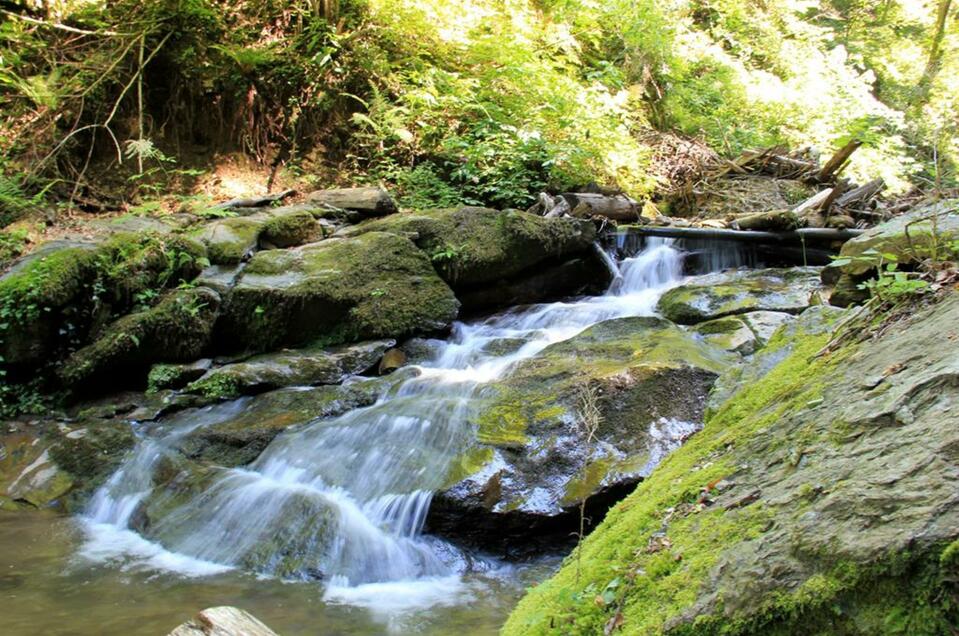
{"points": [[345, 498]]}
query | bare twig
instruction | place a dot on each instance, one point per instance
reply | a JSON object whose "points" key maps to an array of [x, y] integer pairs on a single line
{"points": [[61, 27]]}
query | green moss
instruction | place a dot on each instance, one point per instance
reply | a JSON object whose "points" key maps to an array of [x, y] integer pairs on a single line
{"points": [[287, 229], [219, 387], [176, 330], [229, 241], [471, 245], [372, 286]]}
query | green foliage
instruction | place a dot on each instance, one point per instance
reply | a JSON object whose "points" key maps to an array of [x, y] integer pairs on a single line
{"points": [[12, 244]]}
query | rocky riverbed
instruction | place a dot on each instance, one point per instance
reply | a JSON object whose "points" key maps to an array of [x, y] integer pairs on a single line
{"points": [[375, 404]]}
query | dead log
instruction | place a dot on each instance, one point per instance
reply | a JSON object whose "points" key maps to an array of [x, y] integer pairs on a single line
{"points": [[618, 207], [776, 220], [254, 202], [813, 203], [749, 236], [862, 194], [371, 201], [837, 162]]}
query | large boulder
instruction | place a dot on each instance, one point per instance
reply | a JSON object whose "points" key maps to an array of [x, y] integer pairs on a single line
{"points": [[478, 246], [910, 238], [298, 367], [376, 285], [820, 499], [536, 460], [367, 201], [178, 329], [738, 292]]}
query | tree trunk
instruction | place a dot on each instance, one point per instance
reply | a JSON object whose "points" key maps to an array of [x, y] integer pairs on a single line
{"points": [[935, 54]]}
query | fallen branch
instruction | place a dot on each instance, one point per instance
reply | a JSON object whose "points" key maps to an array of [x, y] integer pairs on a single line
{"points": [[254, 202]]}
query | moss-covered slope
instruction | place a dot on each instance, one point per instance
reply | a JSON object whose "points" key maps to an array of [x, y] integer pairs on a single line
{"points": [[819, 499]]}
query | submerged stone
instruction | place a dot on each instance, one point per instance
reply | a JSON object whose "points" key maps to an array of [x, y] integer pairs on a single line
{"points": [[237, 440]]}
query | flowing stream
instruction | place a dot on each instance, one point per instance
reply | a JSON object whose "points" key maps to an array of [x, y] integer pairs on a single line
{"points": [[345, 499]]}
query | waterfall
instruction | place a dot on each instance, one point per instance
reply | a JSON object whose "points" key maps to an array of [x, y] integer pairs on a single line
{"points": [[346, 498]]}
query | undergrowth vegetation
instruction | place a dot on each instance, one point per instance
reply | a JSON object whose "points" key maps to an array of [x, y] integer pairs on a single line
{"points": [[475, 102]]}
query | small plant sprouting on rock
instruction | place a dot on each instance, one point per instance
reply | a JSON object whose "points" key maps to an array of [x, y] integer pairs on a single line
{"points": [[590, 418]]}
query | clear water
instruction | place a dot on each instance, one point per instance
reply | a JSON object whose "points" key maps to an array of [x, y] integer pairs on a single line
{"points": [[342, 499]]}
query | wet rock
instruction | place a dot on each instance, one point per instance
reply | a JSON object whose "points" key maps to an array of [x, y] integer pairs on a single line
{"points": [[298, 367], [392, 360], [89, 452], [575, 277], [765, 323], [178, 329], [730, 334], [29, 478], [220, 278], [340, 290], [838, 515], [911, 237], [236, 440], [731, 293], [223, 621], [535, 463], [368, 202], [477, 246]]}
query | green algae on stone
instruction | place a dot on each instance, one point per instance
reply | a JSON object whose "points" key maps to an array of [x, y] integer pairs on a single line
{"points": [[177, 329], [341, 290], [766, 522], [730, 293]]}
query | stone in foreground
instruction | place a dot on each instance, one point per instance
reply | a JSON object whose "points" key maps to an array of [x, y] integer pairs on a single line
{"points": [[223, 621]]}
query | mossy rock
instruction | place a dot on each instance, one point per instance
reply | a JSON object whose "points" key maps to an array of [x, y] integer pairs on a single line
{"points": [[177, 329], [298, 367], [730, 293], [911, 237], [56, 298], [377, 285], [89, 452], [473, 246], [820, 499], [729, 334], [648, 379], [289, 229]]}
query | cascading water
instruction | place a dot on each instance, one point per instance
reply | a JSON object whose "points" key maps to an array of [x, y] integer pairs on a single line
{"points": [[346, 498]]}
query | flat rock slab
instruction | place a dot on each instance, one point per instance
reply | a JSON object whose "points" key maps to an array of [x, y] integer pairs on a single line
{"points": [[297, 367], [738, 292]]}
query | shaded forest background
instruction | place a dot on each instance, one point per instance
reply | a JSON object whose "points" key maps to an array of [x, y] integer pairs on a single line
{"points": [[149, 107]]}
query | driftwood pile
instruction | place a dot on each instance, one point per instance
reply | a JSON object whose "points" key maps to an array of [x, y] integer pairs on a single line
{"points": [[745, 183]]}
